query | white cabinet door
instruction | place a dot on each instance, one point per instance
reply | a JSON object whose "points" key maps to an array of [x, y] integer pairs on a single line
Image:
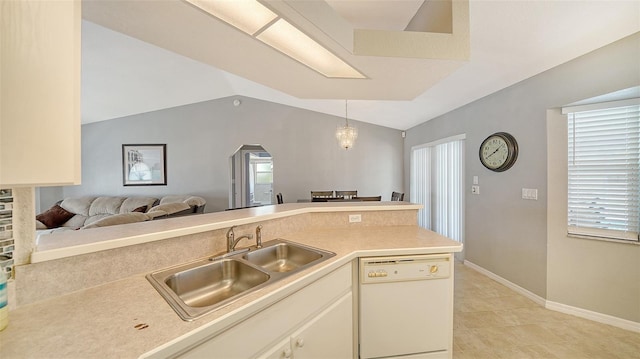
{"points": [[328, 335], [40, 92]]}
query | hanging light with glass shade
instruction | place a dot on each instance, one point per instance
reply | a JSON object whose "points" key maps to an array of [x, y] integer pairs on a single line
{"points": [[346, 134]]}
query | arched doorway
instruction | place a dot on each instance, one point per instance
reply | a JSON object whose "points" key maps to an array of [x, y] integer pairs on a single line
{"points": [[251, 177]]}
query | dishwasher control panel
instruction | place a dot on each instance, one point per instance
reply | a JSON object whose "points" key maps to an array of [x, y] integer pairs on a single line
{"points": [[404, 268]]}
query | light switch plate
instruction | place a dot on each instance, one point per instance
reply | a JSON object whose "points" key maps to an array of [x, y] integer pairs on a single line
{"points": [[475, 189], [355, 218], [475, 179], [530, 193]]}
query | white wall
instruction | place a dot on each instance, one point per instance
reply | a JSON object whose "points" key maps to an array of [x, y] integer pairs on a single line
{"points": [[201, 138], [506, 234]]}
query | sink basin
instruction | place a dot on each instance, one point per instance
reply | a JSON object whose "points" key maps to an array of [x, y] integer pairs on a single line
{"points": [[214, 282], [283, 257], [197, 288]]}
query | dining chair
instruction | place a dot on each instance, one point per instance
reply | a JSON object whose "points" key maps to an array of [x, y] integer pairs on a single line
{"points": [[321, 194], [346, 194], [397, 196], [373, 198], [279, 198]]}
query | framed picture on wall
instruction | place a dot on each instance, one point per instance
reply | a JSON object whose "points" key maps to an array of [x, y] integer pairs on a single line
{"points": [[144, 165]]}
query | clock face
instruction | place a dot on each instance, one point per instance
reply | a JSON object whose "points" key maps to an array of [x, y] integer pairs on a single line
{"points": [[499, 151], [494, 152]]}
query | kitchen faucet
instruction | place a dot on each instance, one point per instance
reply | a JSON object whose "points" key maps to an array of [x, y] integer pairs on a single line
{"points": [[232, 242], [259, 236]]}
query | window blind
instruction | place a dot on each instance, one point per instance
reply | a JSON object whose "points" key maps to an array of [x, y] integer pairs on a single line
{"points": [[421, 184], [604, 173], [437, 182], [448, 186]]}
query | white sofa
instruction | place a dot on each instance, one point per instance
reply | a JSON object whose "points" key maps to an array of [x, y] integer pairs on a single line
{"points": [[92, 212]]}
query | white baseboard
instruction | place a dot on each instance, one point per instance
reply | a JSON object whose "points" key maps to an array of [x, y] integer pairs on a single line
{"points": [[595, 316], [559, 307]]}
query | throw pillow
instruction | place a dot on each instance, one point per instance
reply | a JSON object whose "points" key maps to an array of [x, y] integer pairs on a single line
{"points": [[54, 217], [140, 209]]}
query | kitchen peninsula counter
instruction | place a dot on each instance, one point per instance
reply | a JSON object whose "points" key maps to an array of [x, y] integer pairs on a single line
{"points": [[72, 243], [127, 317]]}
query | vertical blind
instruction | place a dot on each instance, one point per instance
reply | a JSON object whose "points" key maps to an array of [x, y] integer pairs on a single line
{"points": [[437, 183], [604, 172], [447, 212], [420, 185]]}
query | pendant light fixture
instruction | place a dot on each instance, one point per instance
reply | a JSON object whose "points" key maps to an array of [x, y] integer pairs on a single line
{"points": [[346, 134]]}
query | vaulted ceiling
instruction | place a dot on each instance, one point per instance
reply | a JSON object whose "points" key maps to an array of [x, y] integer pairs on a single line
{"points": [[140, 56]]}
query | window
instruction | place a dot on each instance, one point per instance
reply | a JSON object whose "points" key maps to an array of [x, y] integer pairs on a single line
{"points": [[437, 175], [264, 173], [604, 170]]}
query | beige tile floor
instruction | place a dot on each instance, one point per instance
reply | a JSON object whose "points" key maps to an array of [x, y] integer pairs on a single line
{"points": [[492, 321]]}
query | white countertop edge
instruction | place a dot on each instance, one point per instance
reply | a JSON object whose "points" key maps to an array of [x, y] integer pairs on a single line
{"points": [[181, 230], [220, 324]]}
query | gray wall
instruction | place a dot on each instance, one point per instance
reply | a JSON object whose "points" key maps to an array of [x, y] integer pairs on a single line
{"points": [[612, 286], [504, 233], [201, 137]]}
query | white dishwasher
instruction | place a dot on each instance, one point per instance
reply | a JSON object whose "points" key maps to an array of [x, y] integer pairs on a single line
{"points": [[406, 307]]}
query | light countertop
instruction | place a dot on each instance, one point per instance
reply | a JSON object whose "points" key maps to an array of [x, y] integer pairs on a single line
{"points": [[127, 317], [71, 243]]}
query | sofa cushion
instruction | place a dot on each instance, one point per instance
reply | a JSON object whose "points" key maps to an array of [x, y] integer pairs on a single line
{"points": [[92, 219], [76, 221], [79, 205], [122, 218], [173, 199], [157, 213], [135, 204], [54, 217], [195, 201], [106, 205], [170, 208]]}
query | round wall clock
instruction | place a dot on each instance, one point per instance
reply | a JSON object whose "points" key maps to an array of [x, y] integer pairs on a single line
{"points": [[499, 151]]}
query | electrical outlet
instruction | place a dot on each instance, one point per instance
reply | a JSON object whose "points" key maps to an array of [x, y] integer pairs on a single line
{"points": [[475, 189], [355, 218]]}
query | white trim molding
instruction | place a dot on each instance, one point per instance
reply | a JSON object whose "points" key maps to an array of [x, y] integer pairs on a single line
{"points": [[559, 307], [595, 316], [601, 105], [462, 136]]}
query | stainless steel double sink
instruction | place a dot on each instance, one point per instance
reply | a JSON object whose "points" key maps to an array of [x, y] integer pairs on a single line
{"points": [[200, 287]]}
